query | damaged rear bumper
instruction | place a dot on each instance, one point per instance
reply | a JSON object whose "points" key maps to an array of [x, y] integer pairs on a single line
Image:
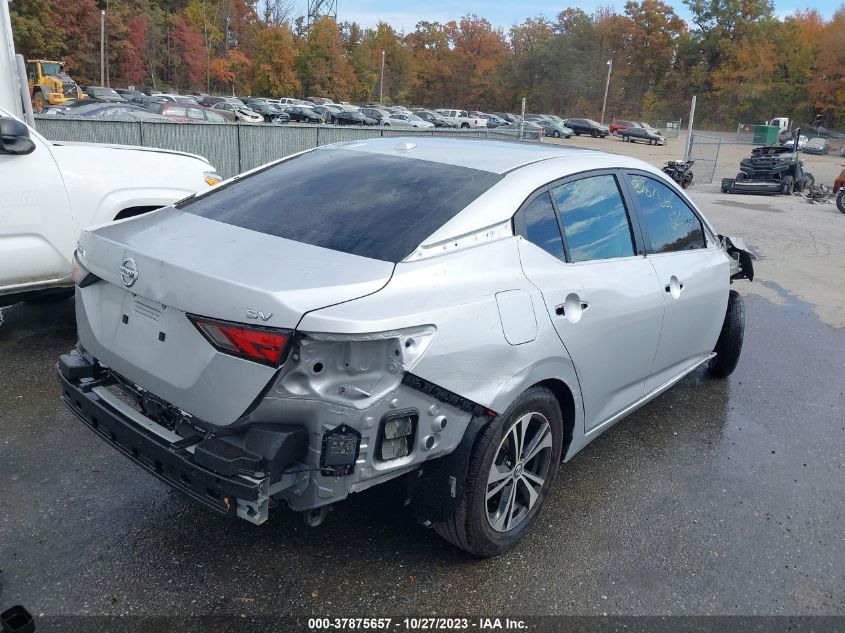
{"points": [[181, 462]]}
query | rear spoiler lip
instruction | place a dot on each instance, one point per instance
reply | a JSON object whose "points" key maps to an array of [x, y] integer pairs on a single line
{"points": [[742, 257]]}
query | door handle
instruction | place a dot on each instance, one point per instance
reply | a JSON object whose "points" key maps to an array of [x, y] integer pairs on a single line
{"points": [[668, 288], [561, 309]]}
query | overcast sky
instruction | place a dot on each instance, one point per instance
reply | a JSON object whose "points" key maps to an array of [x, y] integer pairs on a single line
{"points": [[404, 14]]}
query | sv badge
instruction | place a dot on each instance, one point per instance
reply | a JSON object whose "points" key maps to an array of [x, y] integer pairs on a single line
{"points": [[258, 314]]}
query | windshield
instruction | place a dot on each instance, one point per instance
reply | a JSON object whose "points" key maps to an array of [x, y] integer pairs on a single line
{"points": [[50, 68], [352, 212]]}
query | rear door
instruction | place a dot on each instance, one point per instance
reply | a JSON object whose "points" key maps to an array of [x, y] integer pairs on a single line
{"points": [[694, 275], [601, 293]]}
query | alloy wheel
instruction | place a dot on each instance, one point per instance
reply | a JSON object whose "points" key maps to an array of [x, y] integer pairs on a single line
{"points": [[518, 472]]}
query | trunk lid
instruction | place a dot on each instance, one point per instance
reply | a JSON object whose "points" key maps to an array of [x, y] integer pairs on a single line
{"points": [[137, 324]]}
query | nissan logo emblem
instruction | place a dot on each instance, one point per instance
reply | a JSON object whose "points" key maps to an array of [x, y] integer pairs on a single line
{"points": [[128, 272]]}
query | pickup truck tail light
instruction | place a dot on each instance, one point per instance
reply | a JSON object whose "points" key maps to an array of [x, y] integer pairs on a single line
{"points": [[259, 344]]}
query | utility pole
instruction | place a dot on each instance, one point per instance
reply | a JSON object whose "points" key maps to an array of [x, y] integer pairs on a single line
{"points": [[688, 145], [606, 87], [381, 83], [102, 48]]}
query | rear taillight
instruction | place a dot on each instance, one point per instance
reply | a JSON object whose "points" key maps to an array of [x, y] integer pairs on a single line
{"points": [[260, 344], [80, 275]]}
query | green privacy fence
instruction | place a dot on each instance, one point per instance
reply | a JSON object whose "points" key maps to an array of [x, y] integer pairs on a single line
{"points": [[231, 148]]}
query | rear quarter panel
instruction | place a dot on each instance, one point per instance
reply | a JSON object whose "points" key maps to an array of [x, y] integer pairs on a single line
{"points": [[470, 354]]}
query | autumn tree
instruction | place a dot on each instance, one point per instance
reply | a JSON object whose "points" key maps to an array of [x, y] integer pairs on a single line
{"points": [[321, 62], [479, 53], [273, 71]]}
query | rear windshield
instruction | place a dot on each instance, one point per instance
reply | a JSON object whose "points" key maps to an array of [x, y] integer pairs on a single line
{"points": [[375, 206]]}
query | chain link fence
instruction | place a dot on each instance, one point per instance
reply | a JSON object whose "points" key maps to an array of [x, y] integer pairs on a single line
{"points": [[235, 148], [704, 150], [669, 129]]}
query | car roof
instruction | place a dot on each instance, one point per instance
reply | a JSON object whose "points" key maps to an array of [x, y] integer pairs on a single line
{"points": [[498, 157]]}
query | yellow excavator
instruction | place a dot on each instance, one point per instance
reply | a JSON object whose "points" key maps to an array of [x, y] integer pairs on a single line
{"points": [[49, 84]]}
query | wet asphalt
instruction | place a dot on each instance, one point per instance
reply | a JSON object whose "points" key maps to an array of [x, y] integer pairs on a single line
{"points": [[719, 497]]}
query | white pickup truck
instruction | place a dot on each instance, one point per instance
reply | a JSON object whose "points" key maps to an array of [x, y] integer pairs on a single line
{"points": [[52, 190], [462, 118]]}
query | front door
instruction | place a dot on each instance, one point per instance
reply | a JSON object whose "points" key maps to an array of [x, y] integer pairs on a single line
{"points": [[37, 236], [602, 296], [694, 274]]}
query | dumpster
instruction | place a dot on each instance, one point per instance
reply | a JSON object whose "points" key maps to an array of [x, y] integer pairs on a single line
{"points": [[765, 134]]}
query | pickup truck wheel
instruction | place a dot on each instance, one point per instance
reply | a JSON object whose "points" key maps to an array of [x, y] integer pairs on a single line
{"points": [[729, 346], [511, 468], [840, 200]]}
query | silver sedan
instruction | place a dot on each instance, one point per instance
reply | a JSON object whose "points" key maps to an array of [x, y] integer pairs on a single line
{"points": [[464, 314]]}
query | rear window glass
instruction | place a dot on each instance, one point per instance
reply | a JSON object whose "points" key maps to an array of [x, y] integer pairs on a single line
{"points": [[375, 206]]}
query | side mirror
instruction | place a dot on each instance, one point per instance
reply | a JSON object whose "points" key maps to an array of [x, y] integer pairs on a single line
{"points": [[14, 137]]}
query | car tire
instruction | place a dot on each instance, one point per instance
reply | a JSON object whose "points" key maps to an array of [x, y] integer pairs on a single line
{"points": [[594, 134], [481, 521], [464, 125], [556, 134], [840, 200], [729, 345], [626, 139]]}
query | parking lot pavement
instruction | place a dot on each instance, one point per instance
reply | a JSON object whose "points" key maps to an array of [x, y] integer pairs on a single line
{"points": [[720, 497]]}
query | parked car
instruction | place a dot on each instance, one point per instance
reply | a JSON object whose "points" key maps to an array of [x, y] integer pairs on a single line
{"points": [[271, 113], [407, 119], [378, 114], [492, 120], [187, 113], [819, 146], [588, 127], [103, 93], [617, 125], [129, 94], [282, 338], [323, 111], [790, 142], [437, 119], [349, 117], [52, 190], [554, 128], [507, 116], [109, 110], [303, 114], [462, 118], [643, 132], [523, 130], [240, 113]]}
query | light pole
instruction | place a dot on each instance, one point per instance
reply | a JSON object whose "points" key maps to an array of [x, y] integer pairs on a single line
{"points": [[606, 86], [381, 82], [102, 48]]}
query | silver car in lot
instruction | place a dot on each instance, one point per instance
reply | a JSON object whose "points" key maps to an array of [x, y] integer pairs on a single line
{"points": [[466, 314]]}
